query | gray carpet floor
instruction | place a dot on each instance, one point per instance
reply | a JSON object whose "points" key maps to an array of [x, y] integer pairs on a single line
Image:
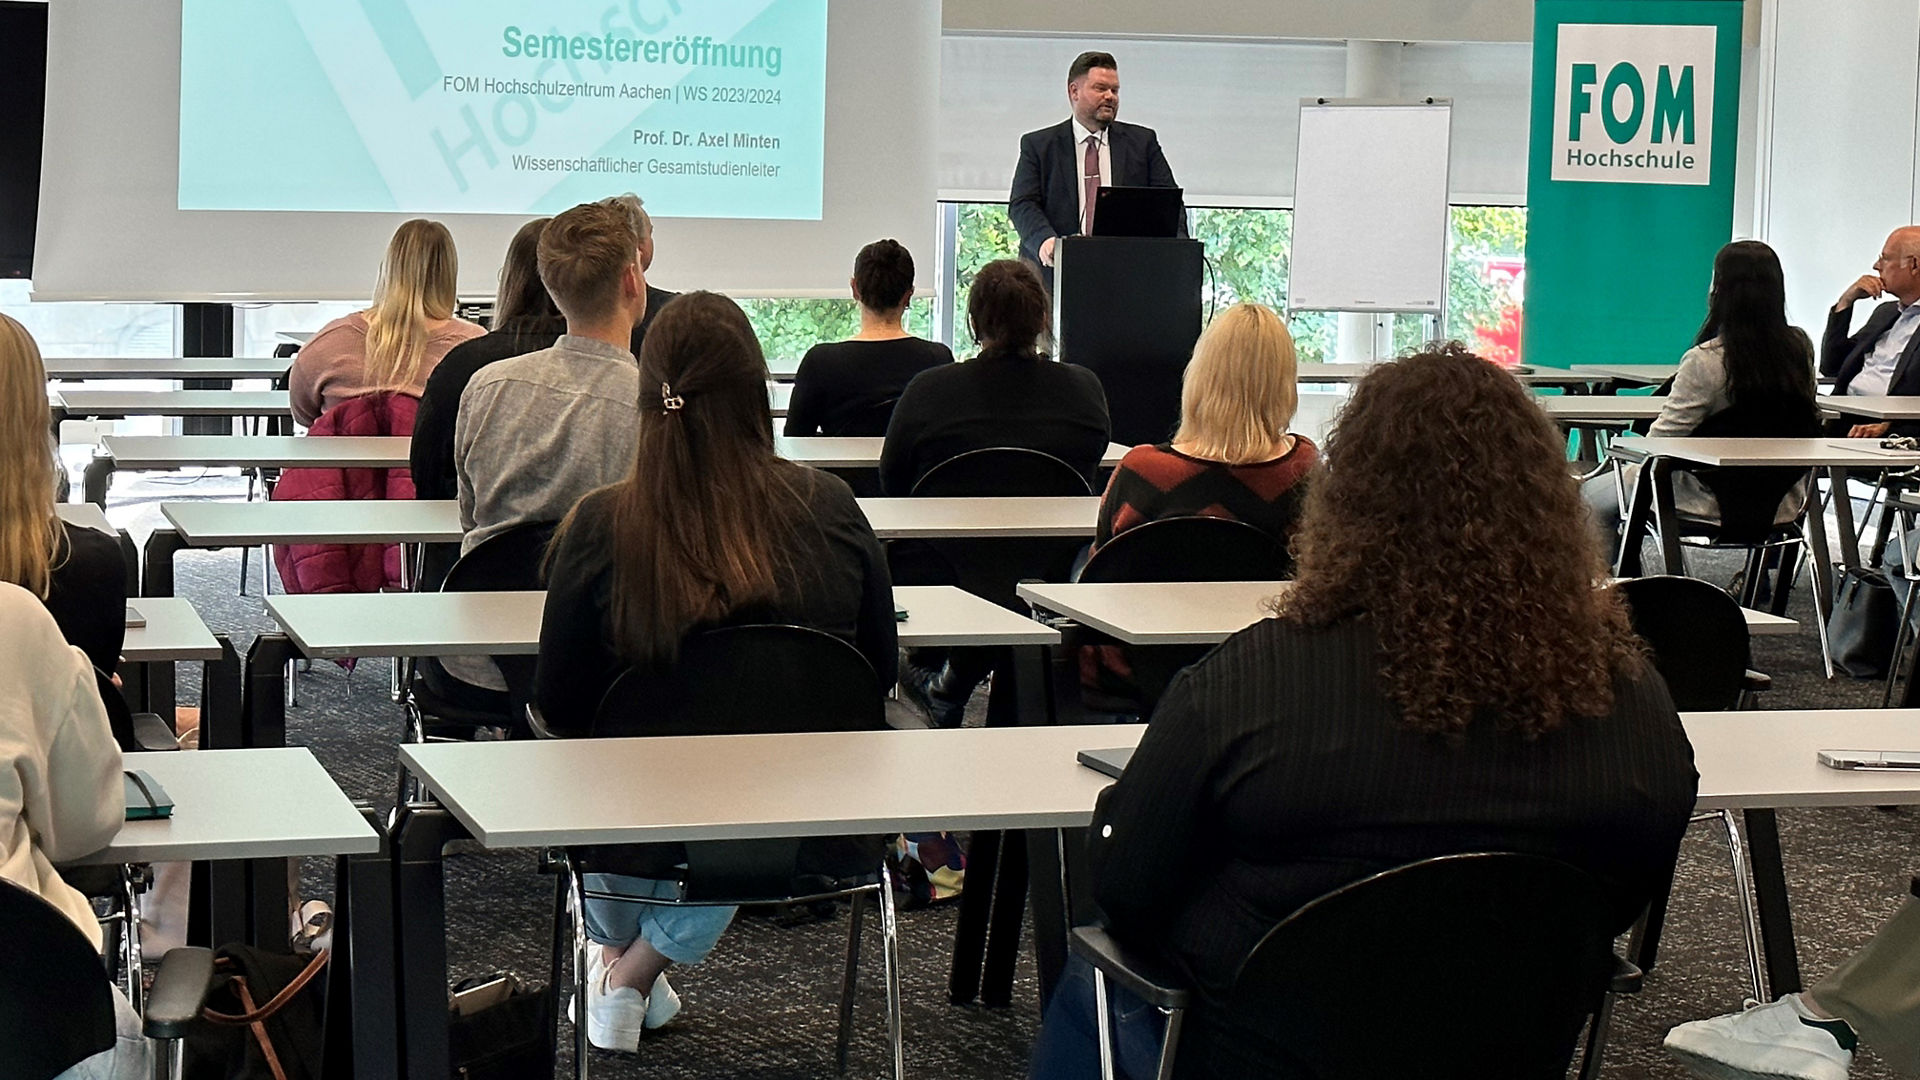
{"points": [[763, 1006]]}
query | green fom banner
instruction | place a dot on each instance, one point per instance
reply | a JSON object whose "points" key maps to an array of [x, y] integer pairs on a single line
{"points": [[1630, 175]]}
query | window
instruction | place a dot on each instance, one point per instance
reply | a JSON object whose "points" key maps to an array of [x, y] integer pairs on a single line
{"points": [[257, 327], [788, 328], [1486, 279], [94, 329]]}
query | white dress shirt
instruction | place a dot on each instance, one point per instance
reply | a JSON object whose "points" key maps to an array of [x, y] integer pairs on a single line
{"points": [[1876, 374], [1080, 137]]}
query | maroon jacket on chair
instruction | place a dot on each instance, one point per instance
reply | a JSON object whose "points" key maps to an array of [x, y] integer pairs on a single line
{"points": [[356, 568]]}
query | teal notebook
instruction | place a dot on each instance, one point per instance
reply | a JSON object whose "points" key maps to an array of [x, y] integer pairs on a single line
{"points": [[146, 799]]}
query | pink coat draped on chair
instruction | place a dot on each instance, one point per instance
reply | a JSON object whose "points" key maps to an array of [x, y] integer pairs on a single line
{"points": [[354, 568]]}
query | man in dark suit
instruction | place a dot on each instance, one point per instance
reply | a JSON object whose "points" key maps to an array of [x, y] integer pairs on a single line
{"points": [[1061, 167], [1879, 360], [642, 225]]}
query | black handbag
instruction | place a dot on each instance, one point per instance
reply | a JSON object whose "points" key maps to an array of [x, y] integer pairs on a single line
{"points": [[1865, 620], [498, 1028]]}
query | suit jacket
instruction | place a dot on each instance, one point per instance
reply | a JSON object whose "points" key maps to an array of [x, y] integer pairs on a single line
{"points": [[656, 299], [1045, 201], [1842, 357]]}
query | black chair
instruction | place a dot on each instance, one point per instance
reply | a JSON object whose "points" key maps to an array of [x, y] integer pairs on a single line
{"points": [[441, 706], [1697, 635], [135, 732], [1175, 549], [869, 420], [740, 680], [990, 568], [1400, 974], [56, 1007]]}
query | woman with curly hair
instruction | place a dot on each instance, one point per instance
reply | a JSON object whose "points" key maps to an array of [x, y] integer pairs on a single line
{"points": [[1443, 676]]}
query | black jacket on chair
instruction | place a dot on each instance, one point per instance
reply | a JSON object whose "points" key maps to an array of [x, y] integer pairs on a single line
{"points": [[1045, 201]]}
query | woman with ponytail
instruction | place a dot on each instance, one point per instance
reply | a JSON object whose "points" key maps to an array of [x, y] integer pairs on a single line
{"points": [[395, 344], [710, 528]]}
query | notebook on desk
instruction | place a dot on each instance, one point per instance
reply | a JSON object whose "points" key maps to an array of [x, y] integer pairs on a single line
{"points": [[1111, 762], [146, 799]]}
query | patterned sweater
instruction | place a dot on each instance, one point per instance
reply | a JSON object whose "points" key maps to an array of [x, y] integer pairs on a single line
{"points": [[1154, 482]]}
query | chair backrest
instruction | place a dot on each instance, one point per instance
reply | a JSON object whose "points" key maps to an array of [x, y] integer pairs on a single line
{"points": [[869, 420], [504, 562], [56, 1009], [1001, 470], [1698, 637], [119, 713], [756, 679], [1442, 947], [1190, 549], [1750, 498]]}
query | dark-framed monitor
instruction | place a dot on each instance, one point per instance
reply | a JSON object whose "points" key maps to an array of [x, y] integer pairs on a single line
{"points": [[1138, 211]]}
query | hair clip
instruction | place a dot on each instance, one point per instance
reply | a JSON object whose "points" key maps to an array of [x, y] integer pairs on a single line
{"points": [[669, 400]]}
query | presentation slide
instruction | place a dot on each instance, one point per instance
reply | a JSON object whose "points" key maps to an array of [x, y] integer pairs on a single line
{"points": [[709, 108]]}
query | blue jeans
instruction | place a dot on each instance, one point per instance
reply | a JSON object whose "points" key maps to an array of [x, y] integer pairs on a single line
{"points": [[128, 1060], [1069, 1044], [683, 933]]}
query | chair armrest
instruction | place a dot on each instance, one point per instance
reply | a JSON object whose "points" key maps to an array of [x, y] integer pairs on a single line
{"points": [[1626, 978], [179, 990], [1756, 682], [1146, 979], [152, 734]]}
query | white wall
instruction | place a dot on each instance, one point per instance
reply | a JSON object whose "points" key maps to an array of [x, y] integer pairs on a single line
{"points": [[1227, 112], [1840, 154], [1386, 20]]}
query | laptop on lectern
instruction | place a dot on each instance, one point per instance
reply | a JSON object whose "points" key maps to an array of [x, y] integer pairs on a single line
{"points": [[1138, 211]]}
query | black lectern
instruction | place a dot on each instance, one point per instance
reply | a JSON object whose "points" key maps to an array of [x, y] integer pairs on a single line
{"points": [[1128, 308]]}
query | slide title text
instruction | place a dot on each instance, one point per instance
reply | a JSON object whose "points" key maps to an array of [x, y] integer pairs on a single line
{"points": [[681, 51]]}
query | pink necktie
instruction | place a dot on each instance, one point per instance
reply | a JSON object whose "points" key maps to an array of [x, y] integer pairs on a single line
{"points": [[1093, 184]]}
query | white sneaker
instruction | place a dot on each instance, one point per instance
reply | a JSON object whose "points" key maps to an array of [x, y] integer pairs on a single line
{"points": [[615, 1015], [662, 1003], [1764, 1041]]}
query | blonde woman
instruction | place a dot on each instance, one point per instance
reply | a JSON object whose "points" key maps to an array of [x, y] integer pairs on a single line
{"points": [[396, 343], [1232, 456], [77, 572]]}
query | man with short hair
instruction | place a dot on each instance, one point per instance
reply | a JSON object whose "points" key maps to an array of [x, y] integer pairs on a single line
{"points": [[1879, 360], [1063, 166], [538, 431], [642, 224]]}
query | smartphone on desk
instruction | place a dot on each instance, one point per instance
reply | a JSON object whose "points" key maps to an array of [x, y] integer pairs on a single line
{"points": [[1871, 760], [135, 620]]}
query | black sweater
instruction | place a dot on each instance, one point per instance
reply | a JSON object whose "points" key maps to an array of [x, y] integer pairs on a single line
{"points": [[995, 399], [1276, 770], [432, 452], [840, 382], [88, 594], [836, 581]]}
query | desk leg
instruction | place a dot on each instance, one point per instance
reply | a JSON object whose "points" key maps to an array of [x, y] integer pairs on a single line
{"points": [[1633, 536], [1057, 869], [976, 904], [1816, 534], [420, 835], [98, 473], [222, 719], [361, 1001], [1659, 474], [156, 579], [1770, 892], [1843, 517]]}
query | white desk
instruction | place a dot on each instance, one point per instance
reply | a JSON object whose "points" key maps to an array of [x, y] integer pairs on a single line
{"points": [[1636, 374], [173, 632], [242, 804], [85, 515], [298, 337], [779, 397], [1207, 612], [1605, 408], [783, 369], [116, 404], [508, 623], [238, 524], [1767, 759], [1877, 407], [1805, 453], [166, 367], [256, 451], [863, 452], [1344, 373]]}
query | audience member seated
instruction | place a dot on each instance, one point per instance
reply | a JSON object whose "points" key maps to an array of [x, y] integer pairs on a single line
{"points": [[537, 432], [524, 321], [76, 571], [642, 226], [1011, 394], [849, 387], [1442, 677], [709, 527], [1230, 458], [1872, 362], [394, 344], [1748, 367], [1872, 998], [60, 786]]}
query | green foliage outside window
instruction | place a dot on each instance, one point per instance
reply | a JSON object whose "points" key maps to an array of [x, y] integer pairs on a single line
{"points": [[788, 328]]}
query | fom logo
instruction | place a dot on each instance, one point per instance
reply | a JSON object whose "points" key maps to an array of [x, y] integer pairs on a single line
{"points": [[1634, 104]]}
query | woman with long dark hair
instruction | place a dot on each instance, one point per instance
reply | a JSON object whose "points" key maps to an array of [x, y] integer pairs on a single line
{"points": [[1443, 676], [1748, 368], [711, 527]]}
